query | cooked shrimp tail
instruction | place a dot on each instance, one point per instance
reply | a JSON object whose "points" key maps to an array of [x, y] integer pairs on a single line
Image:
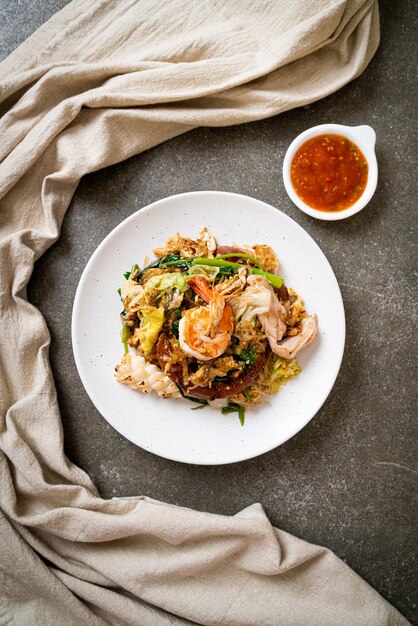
{"points": [[201, 286]]}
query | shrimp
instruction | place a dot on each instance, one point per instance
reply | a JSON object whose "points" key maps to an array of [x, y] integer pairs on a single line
{"points": [[205, 332], [274, 326]]}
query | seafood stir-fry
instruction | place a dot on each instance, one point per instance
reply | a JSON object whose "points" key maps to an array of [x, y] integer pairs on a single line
{"points": [[212, 323]]}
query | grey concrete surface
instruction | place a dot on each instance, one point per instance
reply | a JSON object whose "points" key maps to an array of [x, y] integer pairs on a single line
{"points": [[348, 479]]}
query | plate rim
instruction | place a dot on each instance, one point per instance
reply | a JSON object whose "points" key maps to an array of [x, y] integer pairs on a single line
{"points": [[149, 208]]}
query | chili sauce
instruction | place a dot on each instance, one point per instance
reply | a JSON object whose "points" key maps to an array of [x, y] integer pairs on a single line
{"points": [[329, 172]]}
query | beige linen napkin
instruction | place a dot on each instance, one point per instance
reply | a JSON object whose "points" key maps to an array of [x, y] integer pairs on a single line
{"points": [[101, 81]]}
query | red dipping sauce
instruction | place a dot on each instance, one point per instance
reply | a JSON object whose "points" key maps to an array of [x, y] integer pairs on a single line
{"points": [[329, 172]]}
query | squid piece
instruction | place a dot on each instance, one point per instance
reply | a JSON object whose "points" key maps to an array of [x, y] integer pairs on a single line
{"points": [[273, 324], [140, 375], [289, 347], [273, 318]]}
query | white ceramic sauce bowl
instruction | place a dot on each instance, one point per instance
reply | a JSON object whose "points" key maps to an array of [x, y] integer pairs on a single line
{"points": [[364, 137]]}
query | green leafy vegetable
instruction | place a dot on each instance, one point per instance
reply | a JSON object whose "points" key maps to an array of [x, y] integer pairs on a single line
{"points": [[248, 356], [174, 260], [157, 263], [241, 415], [283, 370], [197, 400], [170, 258], [230, 408], [175, 329], [235, 408], [226, 271], [183, 264], [247, 394], [207, 271], [151, 324], [196, 408], [236, 255], [215, 262], [274, 280], [134, 269], [170, 280], [225, 267], [124, 335]]}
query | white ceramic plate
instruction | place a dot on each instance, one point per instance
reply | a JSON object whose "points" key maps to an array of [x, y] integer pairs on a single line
{"points": [[170, 428]]}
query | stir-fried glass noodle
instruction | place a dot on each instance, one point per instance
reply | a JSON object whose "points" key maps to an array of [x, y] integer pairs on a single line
{"points": [[214, 324]]}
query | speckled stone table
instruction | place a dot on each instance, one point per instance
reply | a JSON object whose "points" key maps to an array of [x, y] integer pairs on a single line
{"points": [[348, 479]]}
